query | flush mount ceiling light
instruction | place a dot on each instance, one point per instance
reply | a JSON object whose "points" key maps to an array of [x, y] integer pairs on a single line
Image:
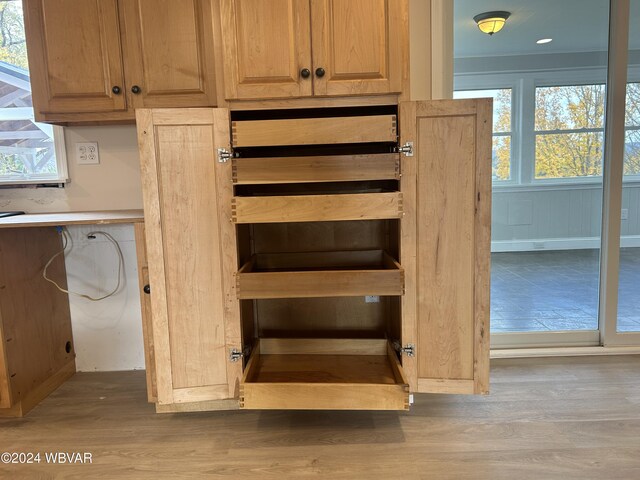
{"points": [[542, 41], [491, 22]]}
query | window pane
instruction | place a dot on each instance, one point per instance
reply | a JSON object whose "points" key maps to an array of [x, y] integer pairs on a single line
{"points": [[632, 152], [501, 105], [567, 155], [632, 117], [501, 157], [26, 148], [572, 107], [629, 278]]}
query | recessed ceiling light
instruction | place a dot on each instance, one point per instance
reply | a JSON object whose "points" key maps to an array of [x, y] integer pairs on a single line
{"points": [[542, 41]]}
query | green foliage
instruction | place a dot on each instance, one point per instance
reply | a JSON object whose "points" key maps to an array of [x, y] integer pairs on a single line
{"points": [[569, 123], [13, 47], [502, 144], [570, 154]]}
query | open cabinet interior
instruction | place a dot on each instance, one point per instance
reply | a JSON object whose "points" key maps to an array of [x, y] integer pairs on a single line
{"points": [[318, 278]]}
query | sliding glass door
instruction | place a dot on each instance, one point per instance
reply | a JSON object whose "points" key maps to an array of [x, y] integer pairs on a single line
{"points": [[550, 117]]}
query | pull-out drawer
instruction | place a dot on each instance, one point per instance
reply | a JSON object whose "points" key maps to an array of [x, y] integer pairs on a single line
{"points": [[314, 131], [314, 169], [317, 208], [320, 274], [324, 374]]}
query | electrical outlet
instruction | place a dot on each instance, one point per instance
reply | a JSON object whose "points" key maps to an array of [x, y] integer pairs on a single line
{"points": [[87, 153], [624, 214], [372, 299]]}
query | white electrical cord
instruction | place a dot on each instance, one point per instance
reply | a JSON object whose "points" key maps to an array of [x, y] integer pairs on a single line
{"points": [[65, 242]]}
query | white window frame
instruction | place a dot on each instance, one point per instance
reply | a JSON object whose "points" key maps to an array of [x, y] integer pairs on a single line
{"points": [[40, 179]]}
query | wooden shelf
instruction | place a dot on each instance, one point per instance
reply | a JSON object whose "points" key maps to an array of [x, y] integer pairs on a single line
{"points": [[314, 374], [320, 274], [317, 208]]}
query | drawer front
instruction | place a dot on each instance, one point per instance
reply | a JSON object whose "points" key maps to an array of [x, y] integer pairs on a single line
{"points": [[314, 131], [298, 374], [319, 284], [317, 208], [336, 168]]}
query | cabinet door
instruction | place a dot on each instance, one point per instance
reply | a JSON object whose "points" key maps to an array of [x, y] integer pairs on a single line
{"points": [[446, 244], [169, 52], [74, 56], [191, 253], [267, 44], [362, 46]]}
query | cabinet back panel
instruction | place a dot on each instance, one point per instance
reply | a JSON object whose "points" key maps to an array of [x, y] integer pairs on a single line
{"points": [[338, 317], [323, 236]]}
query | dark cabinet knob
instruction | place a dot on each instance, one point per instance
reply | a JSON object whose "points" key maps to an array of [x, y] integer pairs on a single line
{"points": [[147, 289], [320, 72], [136, 89], [305, 73], [116, 90]]}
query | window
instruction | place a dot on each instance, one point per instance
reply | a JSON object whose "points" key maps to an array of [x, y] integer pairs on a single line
{"points": [[549, 129], [30, 152], [501, 128], [569, 131]]}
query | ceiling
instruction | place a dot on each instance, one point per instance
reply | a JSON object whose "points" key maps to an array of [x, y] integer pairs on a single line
{"points": [[574, 25]]}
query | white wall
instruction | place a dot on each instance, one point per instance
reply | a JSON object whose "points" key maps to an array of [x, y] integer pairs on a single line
{"points": [[107, 334], [557, 218]]}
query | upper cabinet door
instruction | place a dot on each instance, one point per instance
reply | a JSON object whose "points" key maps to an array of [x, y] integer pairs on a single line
{"points": [[266, 48], [169, 52], [359, 46], [446, 243], [191, 251], [74, 55]]}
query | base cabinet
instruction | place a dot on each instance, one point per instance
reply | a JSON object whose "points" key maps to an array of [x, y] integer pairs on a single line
{"points": [[36, 342], [265, 296]]}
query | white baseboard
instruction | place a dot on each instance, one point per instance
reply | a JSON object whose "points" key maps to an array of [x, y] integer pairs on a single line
{"points": [[542, 244]]}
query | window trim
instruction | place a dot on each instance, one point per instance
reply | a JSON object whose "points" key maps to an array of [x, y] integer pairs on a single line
{"points": [[61, 162]]}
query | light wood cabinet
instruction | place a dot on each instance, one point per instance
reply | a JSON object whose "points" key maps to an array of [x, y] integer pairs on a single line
{"points": [[36, 342], [302, 48], [98, 60], [190, 247], [287, 289], [75, 57], [447, 240]]}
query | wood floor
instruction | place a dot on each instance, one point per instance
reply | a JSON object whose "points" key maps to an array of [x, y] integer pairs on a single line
{"points": [[568, 418]]}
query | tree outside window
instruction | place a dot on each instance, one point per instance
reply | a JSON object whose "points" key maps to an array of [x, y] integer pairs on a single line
{"points": [[27, 150], [501, 128]]}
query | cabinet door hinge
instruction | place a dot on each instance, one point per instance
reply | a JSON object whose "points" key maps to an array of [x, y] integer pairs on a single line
{"points": [[235, 354], [224, 155], [409, 350], [406, 149]]}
